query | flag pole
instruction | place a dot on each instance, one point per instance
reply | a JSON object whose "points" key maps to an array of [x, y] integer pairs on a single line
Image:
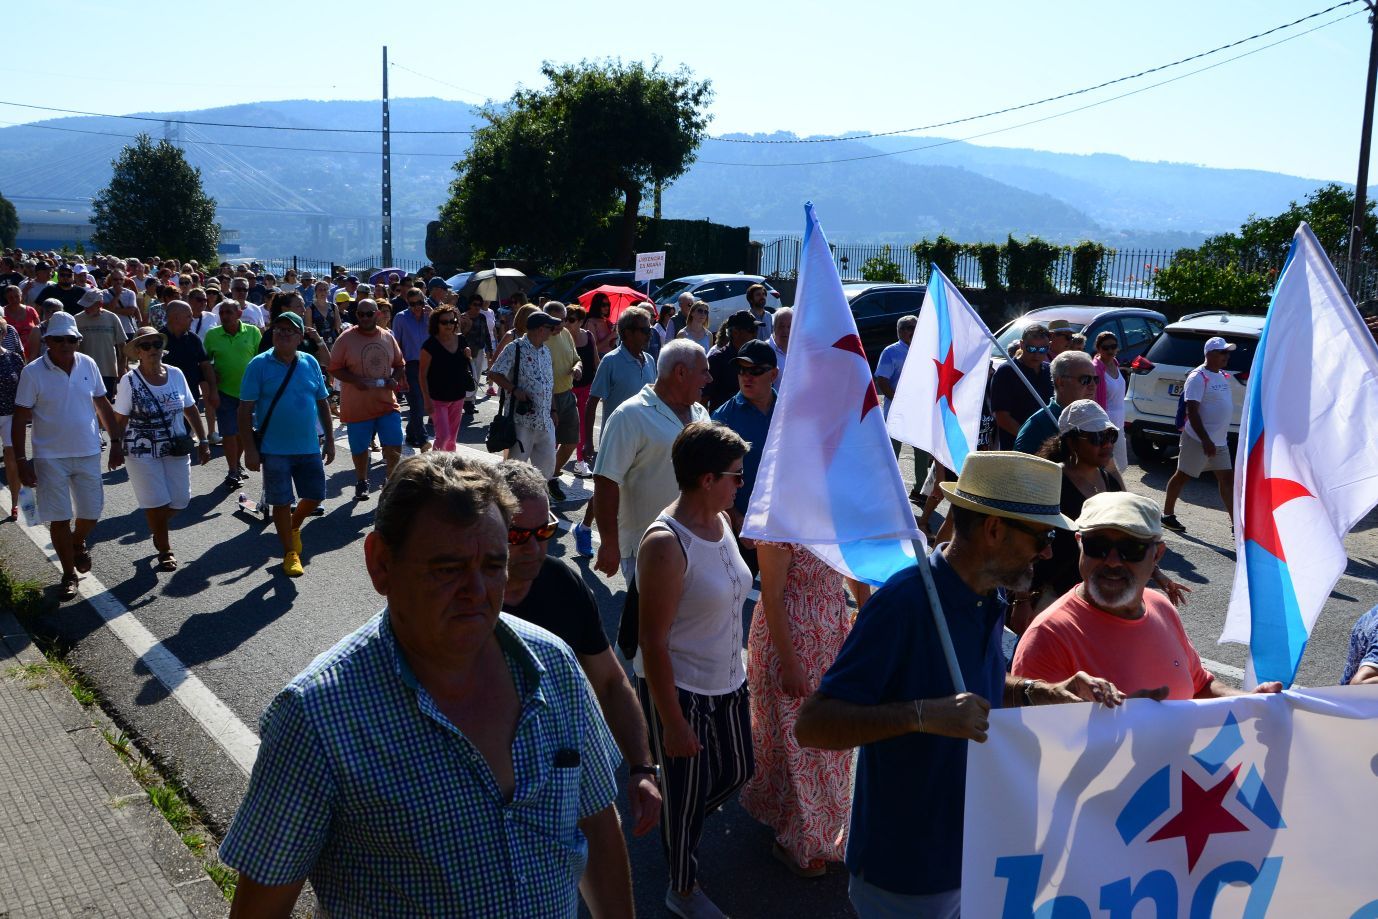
{"points": [[935, 605]]}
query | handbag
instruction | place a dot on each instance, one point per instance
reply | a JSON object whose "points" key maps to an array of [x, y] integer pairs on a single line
{"points": [[502, 431], [262, 428], [178, 444]]}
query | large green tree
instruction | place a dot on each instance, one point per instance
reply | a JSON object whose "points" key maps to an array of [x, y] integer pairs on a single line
{"points": [[155, 204], [554, 164], [9, 223], [1264, 241]]}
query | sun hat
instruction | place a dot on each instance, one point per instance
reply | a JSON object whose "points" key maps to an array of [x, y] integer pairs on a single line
{"points": [[342, 296], [131, 347], [1121, 510], [1218, 344], [1009, 484], [62, 325], [1084, 415]]}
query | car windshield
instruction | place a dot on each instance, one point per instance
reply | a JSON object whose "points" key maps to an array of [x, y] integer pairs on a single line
{"points": [[1179, 348], [669, 292]]}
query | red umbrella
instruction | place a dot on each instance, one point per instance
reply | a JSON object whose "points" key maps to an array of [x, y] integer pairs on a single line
{"points": [[619, 298]]}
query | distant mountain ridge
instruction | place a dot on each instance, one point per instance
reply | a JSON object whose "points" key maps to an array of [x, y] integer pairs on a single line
{"points": [[966, 191]]}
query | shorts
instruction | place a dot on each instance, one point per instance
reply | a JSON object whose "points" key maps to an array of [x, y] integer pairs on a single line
{"points": [[566, 409], [1193, 460], [227, 415], [67, 481], [388, 428], [162, 482], [281, 472], [6, 431]]}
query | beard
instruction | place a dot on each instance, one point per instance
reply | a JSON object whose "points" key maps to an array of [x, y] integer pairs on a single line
{"points": [[1111, 594]]}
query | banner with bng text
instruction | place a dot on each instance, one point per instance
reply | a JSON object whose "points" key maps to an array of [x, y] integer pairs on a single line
{"points": [[1252, 806]]}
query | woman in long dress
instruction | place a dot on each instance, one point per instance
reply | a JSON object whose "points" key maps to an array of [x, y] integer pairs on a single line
{"points": [[1110, 387], [799, 626]]}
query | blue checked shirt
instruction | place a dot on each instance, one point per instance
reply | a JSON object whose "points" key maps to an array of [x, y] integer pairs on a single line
{"points": [[365, 787]]}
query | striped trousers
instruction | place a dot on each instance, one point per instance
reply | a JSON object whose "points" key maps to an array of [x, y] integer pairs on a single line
{"points": [[693, 786]]}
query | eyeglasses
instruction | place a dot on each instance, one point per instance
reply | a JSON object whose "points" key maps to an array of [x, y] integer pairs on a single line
{"points": [[63, 339], [1037, 349], [1041, 537], [150, 345], [1097, 438], [1129, 550], [365, 313], [286, 330], [570, 320], [638, 328], [739, 473], [755, 370], [1087, 380], [1110, 347], [520, 536], [449, 322], [411, 302]]}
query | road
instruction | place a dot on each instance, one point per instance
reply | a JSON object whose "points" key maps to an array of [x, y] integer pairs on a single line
{"points": [[228, 629]]}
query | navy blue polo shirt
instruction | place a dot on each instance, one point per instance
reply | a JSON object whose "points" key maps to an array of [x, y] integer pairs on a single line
{"points": [[906, 831], [752, 426]]}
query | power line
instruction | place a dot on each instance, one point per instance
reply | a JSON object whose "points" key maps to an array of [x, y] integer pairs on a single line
{"points": [[1066, 95], [1024, 124], [426, 76], [222, 124]]}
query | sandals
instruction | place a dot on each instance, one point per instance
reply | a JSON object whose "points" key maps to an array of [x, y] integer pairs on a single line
{"points": [[81, 559], [167, 561], [798, 870], [67, 590]]}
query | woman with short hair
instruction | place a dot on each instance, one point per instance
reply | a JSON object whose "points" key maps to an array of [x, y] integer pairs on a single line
{"points": [[446, 375]]}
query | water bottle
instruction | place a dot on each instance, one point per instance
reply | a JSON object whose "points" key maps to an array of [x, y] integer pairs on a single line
{"points": [[28, 506]]}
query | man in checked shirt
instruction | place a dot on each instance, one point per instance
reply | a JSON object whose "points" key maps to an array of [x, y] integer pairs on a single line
{"points": [[444, 759]]}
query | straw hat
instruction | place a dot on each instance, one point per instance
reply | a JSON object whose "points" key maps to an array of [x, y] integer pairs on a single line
{"points": [[131, 347], [1015, 485]]}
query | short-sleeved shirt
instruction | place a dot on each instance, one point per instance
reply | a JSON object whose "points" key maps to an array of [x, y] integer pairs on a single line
{"points": [[1009, 394], [102, 335], [752, 425], [536, 377], [154, 412], [619, 377], [1212, 390], [635, 454], [11, 366], [1363, 645], [128, 298], [69, 296], [1038, 428], [561, 603], [23, 324], [364, 786], [64, 418], [230, 354], [373, 356], [411, 332], [723, 368], [1134, 654], [889, 366], [908, 807], [292, 429], [563, 357], [767, 327], [186, 353]]}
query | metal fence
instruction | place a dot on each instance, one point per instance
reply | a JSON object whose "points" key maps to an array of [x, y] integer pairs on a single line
{"points": [[323, 267]]}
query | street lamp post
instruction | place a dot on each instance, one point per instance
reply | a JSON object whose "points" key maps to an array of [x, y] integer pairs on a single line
{"points": [[1356, 223]]}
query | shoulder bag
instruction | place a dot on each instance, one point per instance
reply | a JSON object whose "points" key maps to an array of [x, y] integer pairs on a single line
{"points": [[263, 428], [502, 432], [178, 444]]}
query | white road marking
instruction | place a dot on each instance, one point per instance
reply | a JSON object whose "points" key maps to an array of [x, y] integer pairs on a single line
{"points": [[216, 718], [1225, 670]]}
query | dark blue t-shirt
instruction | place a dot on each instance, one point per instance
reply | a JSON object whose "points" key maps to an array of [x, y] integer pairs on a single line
{"points": [[906, 831], [752, 426]]}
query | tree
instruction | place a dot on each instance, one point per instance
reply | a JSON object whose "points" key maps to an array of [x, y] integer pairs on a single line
{"points": [[882, 269], [1264, 241], [9, 223], [1196, 281], [554, 164], [154, 203]]}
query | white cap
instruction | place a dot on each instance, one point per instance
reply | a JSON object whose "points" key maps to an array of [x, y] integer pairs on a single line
{"points": [[62, 325], [1084, 415], [1218, 344]]}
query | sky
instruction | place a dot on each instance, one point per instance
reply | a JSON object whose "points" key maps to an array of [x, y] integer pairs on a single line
{"points": [[808, 67]]}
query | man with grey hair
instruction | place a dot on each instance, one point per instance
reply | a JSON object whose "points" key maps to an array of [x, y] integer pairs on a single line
{"points": [[457, 716], [1074, 377], [551, 593], [633, 479], [779, 339], [888, 370], [685, 302]]}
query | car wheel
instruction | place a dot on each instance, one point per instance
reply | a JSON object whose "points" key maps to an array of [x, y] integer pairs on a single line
{"points": [[1150, 451]]}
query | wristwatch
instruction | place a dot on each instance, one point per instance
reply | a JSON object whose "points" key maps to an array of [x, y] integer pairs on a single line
{"points": [[651, 769], [1024, 687]]}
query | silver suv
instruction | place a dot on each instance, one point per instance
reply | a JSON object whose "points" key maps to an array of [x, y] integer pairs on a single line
{"points": [[1150, 405]]}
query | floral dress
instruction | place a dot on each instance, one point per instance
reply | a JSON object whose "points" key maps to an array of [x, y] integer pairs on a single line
{"points": [[803, 794]]}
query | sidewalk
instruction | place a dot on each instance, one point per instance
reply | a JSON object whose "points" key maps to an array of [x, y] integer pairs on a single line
{"points": [[78, 836]]}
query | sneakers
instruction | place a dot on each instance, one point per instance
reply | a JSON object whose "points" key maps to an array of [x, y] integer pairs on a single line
{"points": [[361, 490], [557, 494], [1172, 523], [582, 470], [583, 539], [291, 565], [693, 905], [296, 541]]}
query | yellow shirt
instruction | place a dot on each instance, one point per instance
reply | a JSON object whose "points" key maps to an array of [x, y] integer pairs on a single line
{"points": [[563, 357]]}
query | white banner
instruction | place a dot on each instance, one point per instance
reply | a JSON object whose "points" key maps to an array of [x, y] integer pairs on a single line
{"points": [[1252, 806], [650, 266]]}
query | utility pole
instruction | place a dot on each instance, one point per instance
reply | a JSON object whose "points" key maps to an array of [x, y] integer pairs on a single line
{"points": [[387, 169], [1356, 223]]}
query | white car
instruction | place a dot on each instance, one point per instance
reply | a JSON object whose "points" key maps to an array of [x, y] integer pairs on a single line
{"points": [[725, 294], [1150, 405]]}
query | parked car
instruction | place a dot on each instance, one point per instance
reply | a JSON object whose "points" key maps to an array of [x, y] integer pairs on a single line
{"points": [[877, 307], [1150, 405], [1135, 328], [725, 294], [558, 288]]}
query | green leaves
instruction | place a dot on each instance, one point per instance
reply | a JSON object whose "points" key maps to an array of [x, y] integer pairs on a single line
{"points": [[154, 204], [9, 222]]}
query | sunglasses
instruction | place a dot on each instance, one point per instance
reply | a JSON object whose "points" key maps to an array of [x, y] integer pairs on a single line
{"points": [[1041, 537], [449, 322], [1110, 347], [150, 345], [639, 328], [1129, 550], [740, 474], [415, 302], [365, 313], [1097, 438], [1041, 349], [520, 536], [755, 370], [1084, 380], [64, 339]]}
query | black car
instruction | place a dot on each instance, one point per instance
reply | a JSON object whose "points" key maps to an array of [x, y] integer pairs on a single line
{"points": [[877, 307]]}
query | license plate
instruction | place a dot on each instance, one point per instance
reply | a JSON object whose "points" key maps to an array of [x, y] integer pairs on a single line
{"points": [[1174, 389]]}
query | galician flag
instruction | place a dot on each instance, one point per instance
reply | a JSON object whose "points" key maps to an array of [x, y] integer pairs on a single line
{"points": [[1309, 460], [828, 477], [937, 404]]}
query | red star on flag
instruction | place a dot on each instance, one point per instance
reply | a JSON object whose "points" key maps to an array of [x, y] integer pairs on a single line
{"points": [[1262, 497], [852, 343], [948, 376], [1202, 816]]}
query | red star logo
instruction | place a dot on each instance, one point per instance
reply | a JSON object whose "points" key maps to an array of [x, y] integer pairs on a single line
{"points": [[1263, 496], [1202, 816], [852, 343], [948, 375]]}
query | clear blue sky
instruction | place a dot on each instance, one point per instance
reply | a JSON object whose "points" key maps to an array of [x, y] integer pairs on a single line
{"points": [[807, 67]]}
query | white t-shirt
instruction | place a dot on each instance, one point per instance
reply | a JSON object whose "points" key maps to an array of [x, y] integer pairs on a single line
{"points": [[127, 299], [202, 324], [1212, 390], [155, 412], [254, 314], [64, 418]]}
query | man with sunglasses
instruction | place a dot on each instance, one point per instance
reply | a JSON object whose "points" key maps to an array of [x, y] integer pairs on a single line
{"points": [[748, 414], [411, 326], [1074, 377], [549, 592], [1111, 624], [742, 327], [1010, 400]]}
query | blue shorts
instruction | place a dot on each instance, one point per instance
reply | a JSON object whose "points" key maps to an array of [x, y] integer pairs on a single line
{"points": [[281, 472], [227, 415], [388, 428]]}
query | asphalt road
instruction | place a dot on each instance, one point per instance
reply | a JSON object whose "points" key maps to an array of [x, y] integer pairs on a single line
{"points": [[243, 629]]}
